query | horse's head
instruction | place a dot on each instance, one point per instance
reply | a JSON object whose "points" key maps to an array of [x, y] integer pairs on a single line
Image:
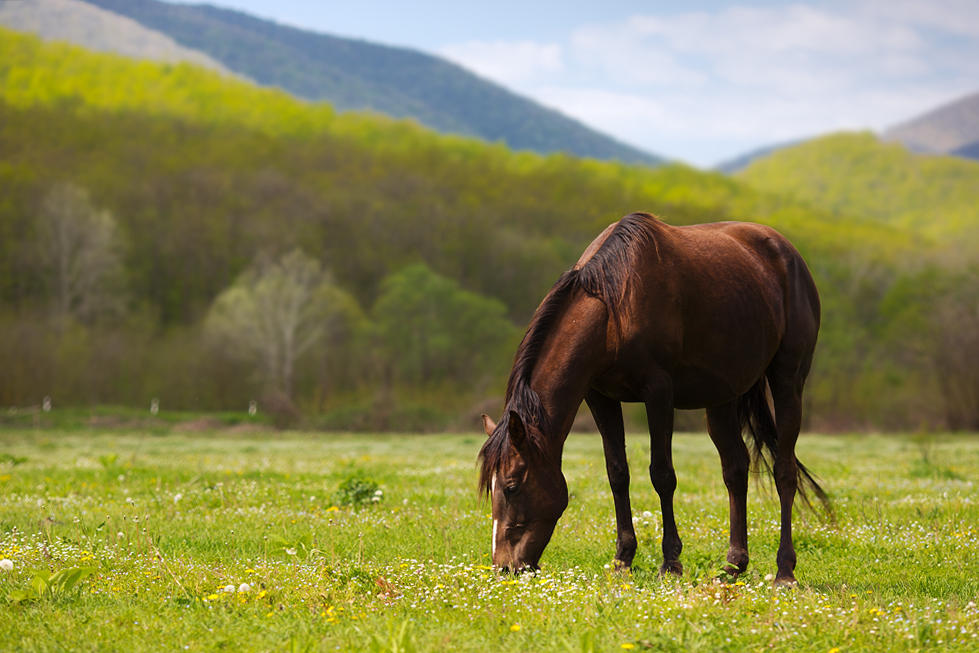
{"points": [[527, 490]]}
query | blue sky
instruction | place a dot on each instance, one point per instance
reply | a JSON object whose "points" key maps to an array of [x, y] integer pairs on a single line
{"points": [[700, 81]]}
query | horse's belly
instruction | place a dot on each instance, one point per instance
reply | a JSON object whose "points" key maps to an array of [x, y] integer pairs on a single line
{"points": [[698, 388]]}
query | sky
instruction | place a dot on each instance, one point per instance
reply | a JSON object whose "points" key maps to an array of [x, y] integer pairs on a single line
{"points": [[701, 81]]}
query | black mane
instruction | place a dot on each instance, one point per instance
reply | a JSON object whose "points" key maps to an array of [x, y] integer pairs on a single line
{"points": [[605, 276]]}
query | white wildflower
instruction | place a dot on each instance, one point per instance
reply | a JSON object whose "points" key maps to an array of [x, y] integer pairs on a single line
{"points": [[6, 565]]}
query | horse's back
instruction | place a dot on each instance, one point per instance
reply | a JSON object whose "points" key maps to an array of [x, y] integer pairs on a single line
{"points": [[716, 302]]}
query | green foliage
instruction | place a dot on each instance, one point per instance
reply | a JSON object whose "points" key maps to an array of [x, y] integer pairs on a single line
{"points": [[50, 585], [297, 548], [358, 492], [400, 639], [431, 329]]}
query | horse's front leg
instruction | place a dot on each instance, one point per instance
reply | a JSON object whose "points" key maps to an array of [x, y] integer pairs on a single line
{"points": [[659, 413], [608, 416]]}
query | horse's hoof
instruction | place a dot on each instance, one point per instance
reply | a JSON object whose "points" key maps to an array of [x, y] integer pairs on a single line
{"points": [[786, 582], [671, 569], [733, 570], [619, 566]]}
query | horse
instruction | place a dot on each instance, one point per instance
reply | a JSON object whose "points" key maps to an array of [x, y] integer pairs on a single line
{"points": [[722, 316]]}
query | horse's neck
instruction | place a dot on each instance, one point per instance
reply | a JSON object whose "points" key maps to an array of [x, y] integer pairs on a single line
{"points": [[569, 361]]}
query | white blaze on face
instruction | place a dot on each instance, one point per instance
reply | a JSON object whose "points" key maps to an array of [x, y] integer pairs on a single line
{"points": [[495, 522]]}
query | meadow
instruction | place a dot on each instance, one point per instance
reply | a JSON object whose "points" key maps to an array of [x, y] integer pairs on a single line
{"points": [[251, 540]]}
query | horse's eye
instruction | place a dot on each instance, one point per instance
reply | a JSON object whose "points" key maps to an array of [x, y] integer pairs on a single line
{"points": [[509, 489]]}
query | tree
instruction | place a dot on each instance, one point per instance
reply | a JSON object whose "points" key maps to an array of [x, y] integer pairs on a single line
{"points": [[933, 316], [431, 329], [276, 312], [80, 249]]}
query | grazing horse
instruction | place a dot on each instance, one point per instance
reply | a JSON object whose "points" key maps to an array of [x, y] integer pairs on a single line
{"points": [[704, 316]]}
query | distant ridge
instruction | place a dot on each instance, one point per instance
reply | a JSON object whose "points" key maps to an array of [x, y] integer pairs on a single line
{"points": [[950, 129], [96, 29], [737, 164], [356, 75]]}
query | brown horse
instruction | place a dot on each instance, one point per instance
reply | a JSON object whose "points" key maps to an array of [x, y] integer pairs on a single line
{"points": [[703, 316]]}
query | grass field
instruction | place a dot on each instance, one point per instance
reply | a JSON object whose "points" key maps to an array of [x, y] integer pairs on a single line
{"points": [[249, 541]]}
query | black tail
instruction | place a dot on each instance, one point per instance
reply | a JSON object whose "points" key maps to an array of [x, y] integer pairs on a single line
{"points": [[756, 417]]}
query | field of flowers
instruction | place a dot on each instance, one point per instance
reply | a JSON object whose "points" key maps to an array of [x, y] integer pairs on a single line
{"points": [[253, 541]]}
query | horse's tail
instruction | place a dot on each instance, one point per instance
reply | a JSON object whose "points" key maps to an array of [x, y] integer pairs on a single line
{"points": [[756, 418]]}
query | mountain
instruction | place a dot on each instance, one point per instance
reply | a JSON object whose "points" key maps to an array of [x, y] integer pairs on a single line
{"points": [[950, 129], [356, 75], [97, 29]]}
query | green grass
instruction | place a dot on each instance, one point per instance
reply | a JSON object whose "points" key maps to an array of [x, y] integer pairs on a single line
{"points": [[170, 520]]}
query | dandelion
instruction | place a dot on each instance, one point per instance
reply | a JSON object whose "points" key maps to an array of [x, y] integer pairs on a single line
{"points": [[834, 650], [244, 587], [6, 565], [515, 628], [291, 552], [628, 646], [230, 589]]}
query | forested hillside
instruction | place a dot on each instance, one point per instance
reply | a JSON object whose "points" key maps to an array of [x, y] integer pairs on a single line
{"points": [[857, 174], [404, 265], [356, 75]]}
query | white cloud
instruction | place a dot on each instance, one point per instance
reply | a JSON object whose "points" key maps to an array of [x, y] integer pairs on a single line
{"points": [[510, 63], [712, 84]]}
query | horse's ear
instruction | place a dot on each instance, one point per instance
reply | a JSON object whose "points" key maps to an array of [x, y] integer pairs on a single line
{"points": [[488, 425], [516, 430]]}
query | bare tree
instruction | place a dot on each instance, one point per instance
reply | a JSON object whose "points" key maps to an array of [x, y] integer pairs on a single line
{"points": [[80, 248], [275, 313]]}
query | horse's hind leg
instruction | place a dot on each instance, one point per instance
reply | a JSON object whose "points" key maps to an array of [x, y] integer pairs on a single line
{"points": [[608, 416], [787, 397], [725, 431], [659, 413]]}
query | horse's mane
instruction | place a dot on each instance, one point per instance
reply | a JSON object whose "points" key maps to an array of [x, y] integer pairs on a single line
{"points": [[605, 276]]}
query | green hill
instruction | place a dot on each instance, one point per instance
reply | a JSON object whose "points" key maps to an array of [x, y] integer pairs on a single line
{"points": [[357, 75], [205, 177], [857, 174]]}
